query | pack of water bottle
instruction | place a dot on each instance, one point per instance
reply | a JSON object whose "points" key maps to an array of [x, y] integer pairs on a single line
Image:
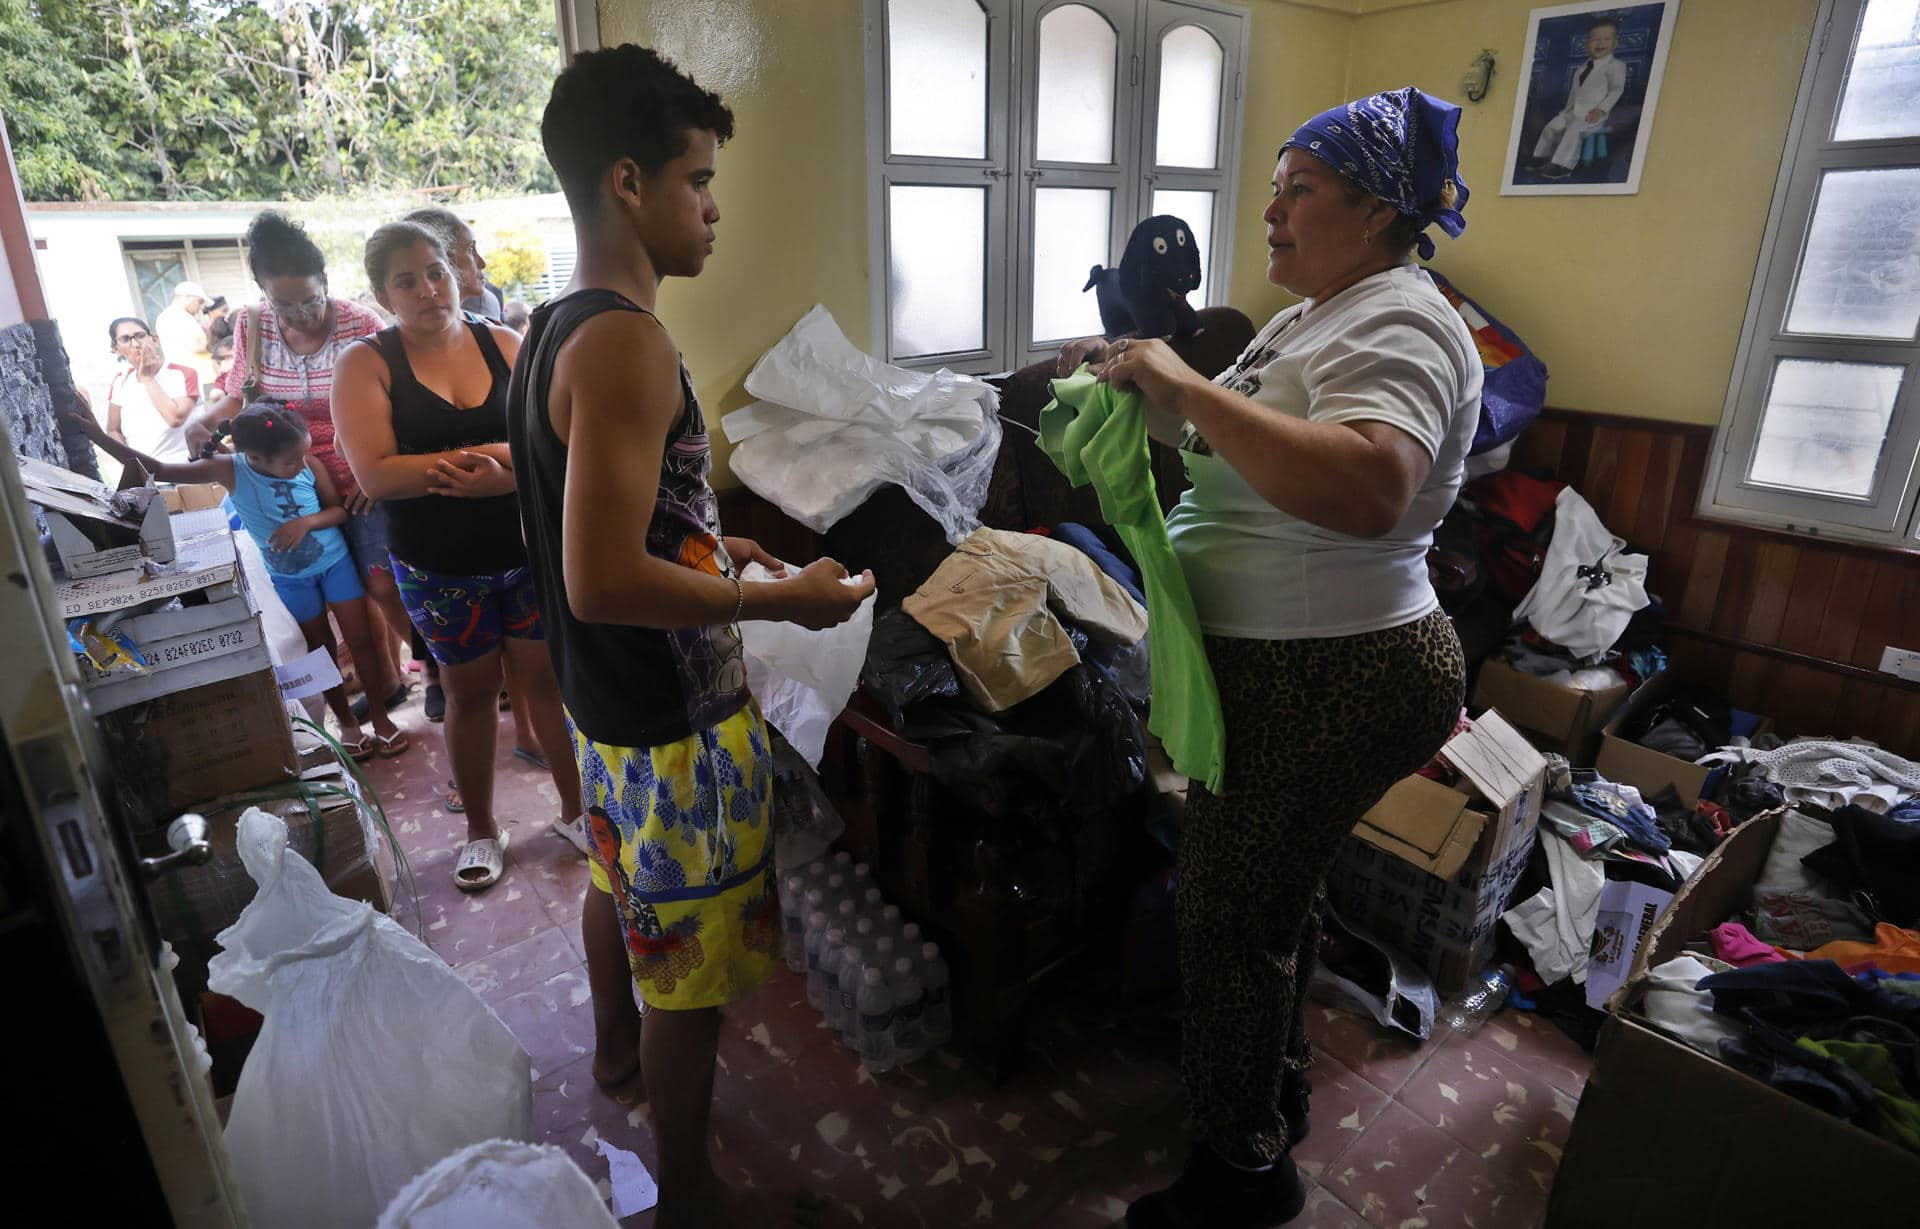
{"points": [[870, 973]]}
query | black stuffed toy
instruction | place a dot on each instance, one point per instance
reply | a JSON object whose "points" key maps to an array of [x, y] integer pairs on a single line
{"points": [[1147, 294]]}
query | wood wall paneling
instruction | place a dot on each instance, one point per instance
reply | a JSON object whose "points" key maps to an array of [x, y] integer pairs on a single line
{"points": [[1789, 626]]}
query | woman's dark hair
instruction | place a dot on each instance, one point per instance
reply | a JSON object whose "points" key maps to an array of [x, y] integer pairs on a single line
{"points": [[113, 330], [277, 246], [623, 102], [220, 347], [216, 303], [268, 427], [397, 237]]}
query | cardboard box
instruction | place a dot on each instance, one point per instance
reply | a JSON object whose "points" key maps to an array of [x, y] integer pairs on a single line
{"points": [[204, 558], [1558, 718], [92, 533], [1430, 867], [171, 752], [193, 496], [1737, 1154], [327, 822], [184, 647], [1621, 759]]}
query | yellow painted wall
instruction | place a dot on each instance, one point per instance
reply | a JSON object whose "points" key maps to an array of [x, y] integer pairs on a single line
{"points": [[792, 184], [1296, 68], [1634, 302]]}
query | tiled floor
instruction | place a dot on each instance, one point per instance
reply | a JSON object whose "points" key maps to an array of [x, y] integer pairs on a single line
{"points": [[1458, 1132]]}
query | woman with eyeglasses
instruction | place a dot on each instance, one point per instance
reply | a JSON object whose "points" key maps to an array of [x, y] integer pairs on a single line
{"points": [[284, 348], [150, 399]]}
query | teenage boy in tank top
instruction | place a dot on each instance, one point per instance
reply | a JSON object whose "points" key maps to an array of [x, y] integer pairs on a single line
{"points": [[610, 448]]}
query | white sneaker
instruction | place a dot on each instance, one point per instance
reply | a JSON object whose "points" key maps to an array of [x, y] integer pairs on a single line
{"points": [[575, 830]]}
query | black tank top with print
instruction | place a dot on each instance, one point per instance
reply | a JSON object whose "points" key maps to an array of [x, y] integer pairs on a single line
{"points": [[624, 686]]}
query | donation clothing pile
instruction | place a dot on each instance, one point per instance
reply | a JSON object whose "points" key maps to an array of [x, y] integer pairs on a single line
{"points": [[1815, 990], [1592, 831]]}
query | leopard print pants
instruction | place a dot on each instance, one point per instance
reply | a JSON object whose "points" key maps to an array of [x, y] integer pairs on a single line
{"points": [[1317, 730]]}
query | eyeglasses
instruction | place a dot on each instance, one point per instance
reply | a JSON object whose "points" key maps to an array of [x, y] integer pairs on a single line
{"points": [[124, 338], [305, 305]]}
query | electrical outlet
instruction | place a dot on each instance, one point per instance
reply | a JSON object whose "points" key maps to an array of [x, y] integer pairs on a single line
{"points": [[1902, 662]]}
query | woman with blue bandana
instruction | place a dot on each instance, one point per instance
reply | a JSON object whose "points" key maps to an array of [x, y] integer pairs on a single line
{"points": [[1321, 462]]}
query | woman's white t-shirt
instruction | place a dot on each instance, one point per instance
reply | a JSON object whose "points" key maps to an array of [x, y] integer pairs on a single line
{"points": [[1387, 349]]}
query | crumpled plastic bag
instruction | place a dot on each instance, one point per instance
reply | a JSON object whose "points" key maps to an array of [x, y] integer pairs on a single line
{"points": [[500, 1184], [805, 821], [1361, 971], [801, 677], [833, 425], [376, 1059]]}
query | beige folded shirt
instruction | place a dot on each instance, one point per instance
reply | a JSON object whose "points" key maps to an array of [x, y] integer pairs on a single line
{"points": [[997, 601]]}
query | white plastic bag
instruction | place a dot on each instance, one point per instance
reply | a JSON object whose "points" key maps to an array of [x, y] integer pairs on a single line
{"points": [[860, 424], [805, 821], [285, 641], [500, 1184], [375, 1061], [802, 678]]}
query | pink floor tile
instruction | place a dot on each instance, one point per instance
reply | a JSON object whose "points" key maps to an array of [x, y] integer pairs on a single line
{"points": [[1344, 1105], [1385, 1059]]}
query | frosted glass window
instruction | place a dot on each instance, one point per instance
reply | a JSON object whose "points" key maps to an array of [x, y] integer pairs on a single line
{"points": [[1074, 113], [1860, 272], [937, 261], [1825, 426], [1196, 210], [1192, 66], [1881, 98], [937, 78], [1072, 229]]}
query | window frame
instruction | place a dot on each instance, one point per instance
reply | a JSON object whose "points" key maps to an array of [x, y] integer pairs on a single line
{"points": [[1013, 173], [1888, 516]]}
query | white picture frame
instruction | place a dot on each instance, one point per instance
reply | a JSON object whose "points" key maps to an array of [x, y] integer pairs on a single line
{"points": [[1553, 150]]}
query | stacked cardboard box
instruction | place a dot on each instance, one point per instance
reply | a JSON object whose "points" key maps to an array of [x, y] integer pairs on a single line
{"points": [[1430, 867]]}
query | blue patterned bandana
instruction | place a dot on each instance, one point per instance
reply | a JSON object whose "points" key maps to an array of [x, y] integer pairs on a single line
{"points": [[1400, 146]]}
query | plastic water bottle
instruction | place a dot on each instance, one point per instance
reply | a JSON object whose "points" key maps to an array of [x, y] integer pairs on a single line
{"points": [[872, 904], [938, 986], [890, 920], [884, 953], [911, 942], [843, 862], [852, 968], [816, 874], [836, 892], [864, 933], [876, 1022], [861, 878], [1483, 996], [793, 903], [833, 952], [816, 960], [909, 1012], [846, 915]]}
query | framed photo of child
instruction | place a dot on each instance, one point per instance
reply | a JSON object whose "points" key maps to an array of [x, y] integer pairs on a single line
{"points": [[1584, 111]]}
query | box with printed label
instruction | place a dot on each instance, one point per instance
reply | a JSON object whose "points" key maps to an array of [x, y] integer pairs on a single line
{"points": [[170, 752], [1557, 717], [1430, 867], [205, 558], [183, 647]]}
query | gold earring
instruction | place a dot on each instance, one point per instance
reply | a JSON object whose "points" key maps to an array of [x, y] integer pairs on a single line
{"points": [[1366, 236]]}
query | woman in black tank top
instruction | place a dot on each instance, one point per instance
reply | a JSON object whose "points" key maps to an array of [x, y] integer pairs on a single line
{"points": [[420, 410]]}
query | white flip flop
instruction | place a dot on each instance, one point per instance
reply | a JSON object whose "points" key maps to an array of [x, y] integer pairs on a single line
{"points": [[575, 832], [488, 856]]}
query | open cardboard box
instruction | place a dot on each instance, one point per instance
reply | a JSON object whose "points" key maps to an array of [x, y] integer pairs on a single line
{"points": [[178, 749], [1559, 718], [193, 496], [1666, 1135], [205, 559], [1623, 760], [1429, 868], [92, 537]]}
